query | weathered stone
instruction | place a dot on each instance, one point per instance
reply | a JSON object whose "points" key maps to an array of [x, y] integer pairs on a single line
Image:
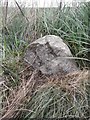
{"points": [[50, 55]]}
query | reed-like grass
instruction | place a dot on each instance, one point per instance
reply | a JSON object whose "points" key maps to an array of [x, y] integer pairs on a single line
{"points": [[70, 23]]}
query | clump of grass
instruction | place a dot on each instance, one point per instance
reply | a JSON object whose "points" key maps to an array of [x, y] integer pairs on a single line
{"points": [[13, 30], [60, 99], [56, 98]]}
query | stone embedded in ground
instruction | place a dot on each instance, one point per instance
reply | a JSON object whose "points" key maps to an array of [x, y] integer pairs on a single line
{"points": [[50, 55]]}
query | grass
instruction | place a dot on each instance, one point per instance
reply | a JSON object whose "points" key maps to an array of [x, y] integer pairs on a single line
{"points": [[54, 97], [71, 25]]}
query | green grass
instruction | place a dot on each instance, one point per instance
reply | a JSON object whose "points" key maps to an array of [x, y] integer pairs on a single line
{"points": [[52, 101], [24, 25], [71, 24]]}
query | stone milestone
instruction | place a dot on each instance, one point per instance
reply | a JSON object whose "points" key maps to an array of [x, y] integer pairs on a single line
{"points": [[50, 55]]}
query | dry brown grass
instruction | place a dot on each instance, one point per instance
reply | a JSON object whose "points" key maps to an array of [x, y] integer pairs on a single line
{"points": [[72, 83]]}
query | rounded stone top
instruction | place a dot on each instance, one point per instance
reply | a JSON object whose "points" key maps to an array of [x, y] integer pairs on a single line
{"points": [[50, 55]]}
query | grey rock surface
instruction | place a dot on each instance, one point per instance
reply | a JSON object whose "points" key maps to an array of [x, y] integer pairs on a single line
{"points": [[50, 55]]}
